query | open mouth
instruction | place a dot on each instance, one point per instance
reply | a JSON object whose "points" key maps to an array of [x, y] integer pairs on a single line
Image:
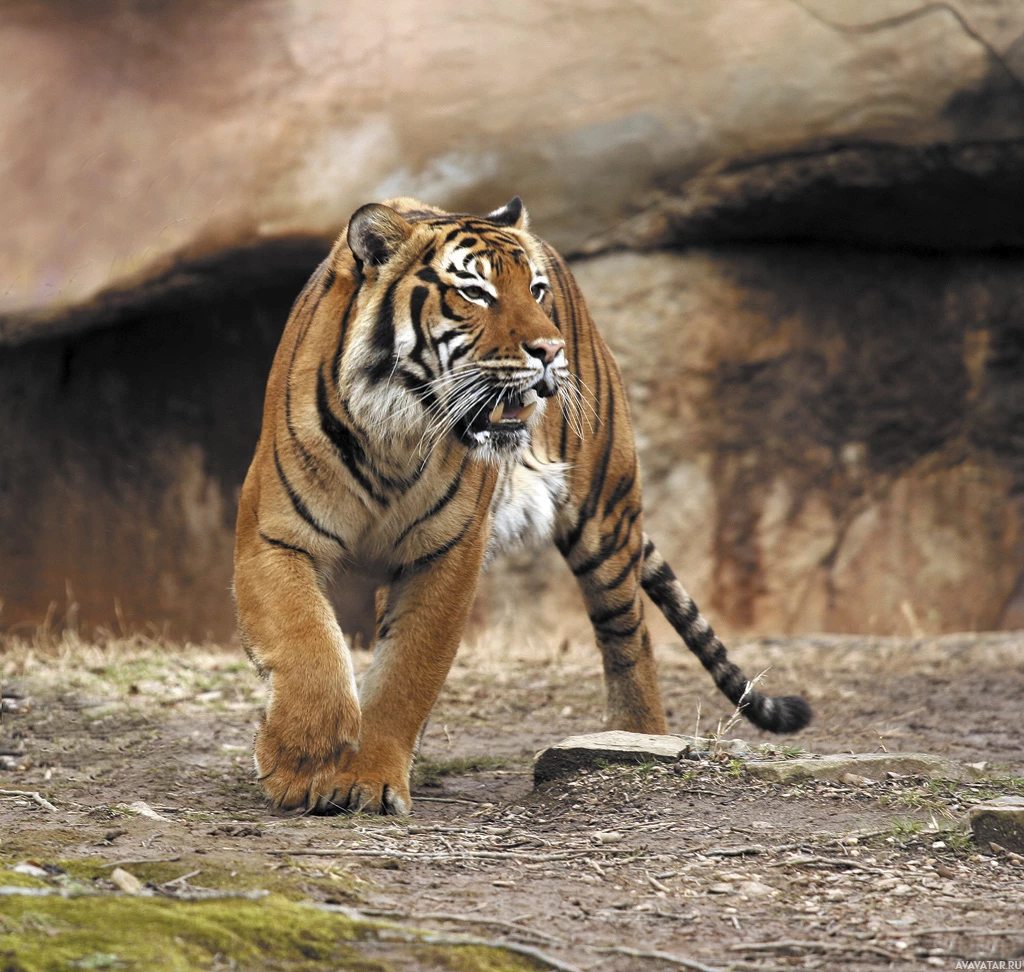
{"points": [[510, 411]]}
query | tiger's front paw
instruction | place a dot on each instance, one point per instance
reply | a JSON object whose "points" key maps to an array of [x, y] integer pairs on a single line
{"points": [[368, 784], [296, 766]]}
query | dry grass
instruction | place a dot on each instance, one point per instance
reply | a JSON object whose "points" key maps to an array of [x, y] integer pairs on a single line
{"points": [[168, 670]]}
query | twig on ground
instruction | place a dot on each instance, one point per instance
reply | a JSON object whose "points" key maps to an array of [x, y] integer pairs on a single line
{"points": [[211, 894], [465, 919], [19, 890], [749, 849], [921, 932], [657, 885], [851, 863], [183, 878], [683, 963], [733, 851], [784, 944], [33, 796]]}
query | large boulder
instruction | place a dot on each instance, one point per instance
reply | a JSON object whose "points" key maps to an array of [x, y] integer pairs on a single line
{"points": [[142, 140]]}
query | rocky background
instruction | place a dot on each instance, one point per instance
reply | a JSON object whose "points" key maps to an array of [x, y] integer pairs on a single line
{"points": [[798, 222]]}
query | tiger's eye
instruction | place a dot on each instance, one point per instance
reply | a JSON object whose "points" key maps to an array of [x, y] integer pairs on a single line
{"points": [[475, 293], [538, 290]]}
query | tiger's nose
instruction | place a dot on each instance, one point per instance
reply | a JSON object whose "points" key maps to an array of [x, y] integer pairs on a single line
{"points": [[544, 350]]}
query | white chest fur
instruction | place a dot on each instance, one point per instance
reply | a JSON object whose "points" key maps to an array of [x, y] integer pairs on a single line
{"points": [[526, 504]]}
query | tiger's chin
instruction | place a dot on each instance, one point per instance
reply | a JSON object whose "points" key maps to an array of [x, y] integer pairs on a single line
{"points": [[498, 443]]}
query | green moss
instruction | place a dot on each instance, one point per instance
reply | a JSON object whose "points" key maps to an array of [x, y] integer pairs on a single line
{"points": [[149, 933], [101, 931]]}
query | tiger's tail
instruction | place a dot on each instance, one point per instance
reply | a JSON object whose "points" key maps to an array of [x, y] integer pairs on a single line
{"points": [[786, 713]]}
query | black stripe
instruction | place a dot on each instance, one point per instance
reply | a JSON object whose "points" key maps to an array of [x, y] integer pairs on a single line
{"points": [[287, 546], [463, 349], [449, 545], [589, 505], [620, 577], [448, 496], [300, 508], [658, 584], [610, 614], [382, 338], [445, 548], [570, 305], [309, 461], [343, 439], [416, 303], [345, 319], [621, 491], [617, 634]]}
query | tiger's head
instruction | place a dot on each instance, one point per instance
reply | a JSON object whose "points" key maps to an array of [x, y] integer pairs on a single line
{"points": [[451, 332]]}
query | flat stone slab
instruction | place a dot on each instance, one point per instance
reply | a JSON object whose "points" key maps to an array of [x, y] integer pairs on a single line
{"points": [[595, 749], [999, 821], [866, 766]]}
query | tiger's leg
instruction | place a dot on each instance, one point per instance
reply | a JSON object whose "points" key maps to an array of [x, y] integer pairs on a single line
{"points": [[605, 555], [311, 725], [417, 638]]}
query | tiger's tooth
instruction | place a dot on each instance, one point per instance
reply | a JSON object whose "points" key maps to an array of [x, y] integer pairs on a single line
{"points": [[526, 411], [496, 415], [530, 396]]}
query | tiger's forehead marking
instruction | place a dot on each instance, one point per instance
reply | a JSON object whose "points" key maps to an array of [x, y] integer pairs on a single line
{"points": [[473, 261]]}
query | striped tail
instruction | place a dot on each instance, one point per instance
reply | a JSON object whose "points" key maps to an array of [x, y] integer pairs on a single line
{"points": [[786, 713]]}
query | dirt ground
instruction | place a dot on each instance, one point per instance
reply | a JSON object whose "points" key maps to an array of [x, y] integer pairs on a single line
{"points": [[140, 755]]}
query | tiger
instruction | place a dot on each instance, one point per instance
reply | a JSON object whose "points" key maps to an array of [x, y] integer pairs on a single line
{"points": [[439, 394]]}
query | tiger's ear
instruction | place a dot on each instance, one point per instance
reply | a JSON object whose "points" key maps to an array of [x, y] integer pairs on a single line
{"points": [[512, 214], [376, 232]]}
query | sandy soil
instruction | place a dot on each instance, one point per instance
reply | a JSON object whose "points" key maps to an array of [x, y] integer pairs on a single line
{"points": [[687, 865]]}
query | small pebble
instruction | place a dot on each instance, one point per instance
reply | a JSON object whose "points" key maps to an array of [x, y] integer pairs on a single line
{"points": [[852, 779], [126, 881]]}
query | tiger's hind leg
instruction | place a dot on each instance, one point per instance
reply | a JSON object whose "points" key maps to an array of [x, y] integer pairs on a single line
{"points": [[606, 556]]}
